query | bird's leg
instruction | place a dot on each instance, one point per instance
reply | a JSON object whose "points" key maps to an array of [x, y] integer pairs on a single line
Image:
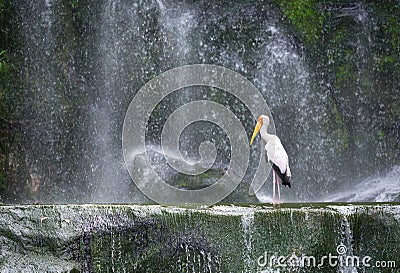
{"points": [[273, 188], [279, 190]]}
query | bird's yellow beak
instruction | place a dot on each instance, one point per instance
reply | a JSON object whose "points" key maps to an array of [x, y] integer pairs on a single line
{"points": [[258, 126]]}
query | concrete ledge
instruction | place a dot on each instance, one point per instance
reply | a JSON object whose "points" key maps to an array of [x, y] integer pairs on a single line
{"points": [[151, 238]]}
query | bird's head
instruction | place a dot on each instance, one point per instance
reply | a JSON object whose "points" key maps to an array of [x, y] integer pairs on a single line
{"points": [[262, 120]]}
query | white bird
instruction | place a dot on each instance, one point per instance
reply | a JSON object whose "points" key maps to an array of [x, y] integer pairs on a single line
{"points": [[276, 155]]}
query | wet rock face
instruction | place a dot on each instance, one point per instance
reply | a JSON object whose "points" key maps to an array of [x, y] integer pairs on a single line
{"points": [[129, 238], [328, 70]]}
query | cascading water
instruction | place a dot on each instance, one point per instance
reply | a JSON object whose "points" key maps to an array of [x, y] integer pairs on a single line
{"points": [[328, 71], [177, 23], [345, 249], [377, 188], [117, 30], [247, 226], [284, 79], [80, 64], [147, 238], [43, 105]]}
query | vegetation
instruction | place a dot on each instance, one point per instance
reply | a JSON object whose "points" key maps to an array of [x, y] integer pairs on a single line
{"points": [[3, 162], [306, 16], [4, 75], [123, 238], [10, 162], [355, 46]]}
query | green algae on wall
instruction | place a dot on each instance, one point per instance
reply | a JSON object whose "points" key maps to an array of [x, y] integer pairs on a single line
{"points": [[355, 47], [131, 238], [306, 16]]}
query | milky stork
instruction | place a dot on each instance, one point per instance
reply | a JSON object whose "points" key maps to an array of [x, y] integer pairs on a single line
{"points": [[276, 155]]}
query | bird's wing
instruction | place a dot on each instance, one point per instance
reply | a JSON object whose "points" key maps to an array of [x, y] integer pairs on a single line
{"points": [[277, 155], [289, 173]]}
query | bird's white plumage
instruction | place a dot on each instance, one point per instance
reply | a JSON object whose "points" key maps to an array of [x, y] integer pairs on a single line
{"points": [[275, 154], [275, 151]]}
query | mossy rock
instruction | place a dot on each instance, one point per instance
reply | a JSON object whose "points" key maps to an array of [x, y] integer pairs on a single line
{"points": [[152, 238]]}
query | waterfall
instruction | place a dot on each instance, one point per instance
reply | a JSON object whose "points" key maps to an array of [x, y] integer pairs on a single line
{"points": [[284, 79], [42, 101], [140, 238], [247, 226], [177, 23], [327, 72], [345, 249], [117, 29], [377, 188], [80, 64]]}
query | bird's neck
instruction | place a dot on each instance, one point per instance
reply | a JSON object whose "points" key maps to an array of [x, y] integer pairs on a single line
{"points": [[264, 134]]}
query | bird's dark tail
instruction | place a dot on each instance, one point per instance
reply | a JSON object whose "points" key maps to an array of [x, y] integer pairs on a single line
{"points": [[284, 177], [286, 180]]}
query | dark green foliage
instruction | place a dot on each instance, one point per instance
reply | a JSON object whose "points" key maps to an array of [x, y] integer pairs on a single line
{"points": [[355, 47], [306, 16]]}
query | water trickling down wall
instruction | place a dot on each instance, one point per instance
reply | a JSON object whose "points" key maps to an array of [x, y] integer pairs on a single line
{"points": [[332, 85], [107, 238]]}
